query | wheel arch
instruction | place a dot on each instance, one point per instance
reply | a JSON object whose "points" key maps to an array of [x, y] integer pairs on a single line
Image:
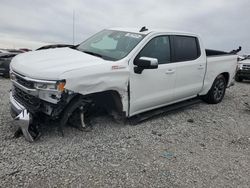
{"points": [[111, 100], [215, 94], [226, 76], [208, 83]]}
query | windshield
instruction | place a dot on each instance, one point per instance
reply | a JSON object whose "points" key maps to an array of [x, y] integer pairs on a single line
{"points": [[111, 45]]}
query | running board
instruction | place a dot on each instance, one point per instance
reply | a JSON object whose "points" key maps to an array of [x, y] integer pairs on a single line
{"points": [[152, 113]]}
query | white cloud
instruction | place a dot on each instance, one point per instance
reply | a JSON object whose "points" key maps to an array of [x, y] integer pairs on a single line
{"points": [[223, 24], [9, 42]]}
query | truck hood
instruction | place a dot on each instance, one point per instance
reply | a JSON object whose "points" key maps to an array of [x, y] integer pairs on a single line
{"points": [[50, 64]]}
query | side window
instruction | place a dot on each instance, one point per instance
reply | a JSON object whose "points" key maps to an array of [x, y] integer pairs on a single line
{"points": [[186, 48], [159, 48]]}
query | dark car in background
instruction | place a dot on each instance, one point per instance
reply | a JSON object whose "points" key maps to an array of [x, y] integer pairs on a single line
{"points": [[6, 56], [55, 46], [5, 59]]}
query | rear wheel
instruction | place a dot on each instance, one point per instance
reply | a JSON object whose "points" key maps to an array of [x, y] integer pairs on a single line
{"points": [[217, 91]]}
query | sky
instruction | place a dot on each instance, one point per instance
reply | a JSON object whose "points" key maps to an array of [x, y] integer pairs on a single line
{"points": [[222, 24]]}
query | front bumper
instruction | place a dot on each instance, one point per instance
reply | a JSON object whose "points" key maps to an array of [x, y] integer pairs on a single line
{"points": [[22, 118]]}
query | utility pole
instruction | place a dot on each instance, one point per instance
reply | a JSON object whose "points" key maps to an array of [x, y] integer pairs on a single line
{"points": [[73, 29]]}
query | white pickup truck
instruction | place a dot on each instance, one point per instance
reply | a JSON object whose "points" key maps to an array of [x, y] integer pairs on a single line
{"points": [[124, 71]]}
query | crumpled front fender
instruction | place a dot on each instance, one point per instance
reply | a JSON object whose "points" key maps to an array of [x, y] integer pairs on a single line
{"points": [[99, 79]]}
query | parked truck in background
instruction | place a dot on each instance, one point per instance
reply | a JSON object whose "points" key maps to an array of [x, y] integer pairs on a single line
{"points": [[243, 71], [124, 71]]}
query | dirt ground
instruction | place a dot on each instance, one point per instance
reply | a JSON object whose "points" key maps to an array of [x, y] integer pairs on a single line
{"points": [[201, 146]]}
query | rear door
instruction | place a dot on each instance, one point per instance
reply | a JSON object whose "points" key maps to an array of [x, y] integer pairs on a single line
{"points": [[190, 66]]}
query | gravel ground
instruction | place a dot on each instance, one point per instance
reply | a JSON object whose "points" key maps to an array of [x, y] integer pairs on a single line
{"points": [[202, 146]]}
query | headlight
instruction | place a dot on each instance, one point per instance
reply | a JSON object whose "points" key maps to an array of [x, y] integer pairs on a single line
{"points": [[60, 85], [45, 86], [57, 86]]}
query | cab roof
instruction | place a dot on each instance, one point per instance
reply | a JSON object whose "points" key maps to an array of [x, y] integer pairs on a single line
{"points": [[152, 31]]}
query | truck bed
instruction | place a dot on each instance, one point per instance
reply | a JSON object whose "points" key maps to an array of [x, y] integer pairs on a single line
{"points": [[210, 52]]}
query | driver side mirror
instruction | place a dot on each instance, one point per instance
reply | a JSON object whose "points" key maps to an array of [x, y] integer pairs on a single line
{"points": [[145, 63]]}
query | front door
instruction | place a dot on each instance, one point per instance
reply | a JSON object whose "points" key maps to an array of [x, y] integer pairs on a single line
{"points": [[153, 87]]}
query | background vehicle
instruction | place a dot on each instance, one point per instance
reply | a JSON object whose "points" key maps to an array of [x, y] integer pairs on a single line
{"points": [[5, 59], [54, 46], [3, 51], [243, 71], [123, 71]]}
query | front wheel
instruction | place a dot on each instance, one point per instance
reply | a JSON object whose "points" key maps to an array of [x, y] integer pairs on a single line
{"points": [[78, 119], [217, 91]]}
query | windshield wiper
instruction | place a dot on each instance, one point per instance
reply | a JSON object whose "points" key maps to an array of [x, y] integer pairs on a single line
{"points": [[93, 53]]}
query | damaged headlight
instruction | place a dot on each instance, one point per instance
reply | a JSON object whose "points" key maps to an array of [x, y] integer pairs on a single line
{"points": [[61, 85], [56, 86]]}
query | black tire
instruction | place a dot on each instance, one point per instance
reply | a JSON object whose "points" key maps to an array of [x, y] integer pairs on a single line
{"points": [[238, 78], [217, 91]]}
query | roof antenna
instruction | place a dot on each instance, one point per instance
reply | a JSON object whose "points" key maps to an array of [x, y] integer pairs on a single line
{"points": [[143, 29], [73, 28]]}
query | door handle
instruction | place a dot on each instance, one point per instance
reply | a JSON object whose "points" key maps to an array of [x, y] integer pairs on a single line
{"points": [[170, 71], [201, 67]]}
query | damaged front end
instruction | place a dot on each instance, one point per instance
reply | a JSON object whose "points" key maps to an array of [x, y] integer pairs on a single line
{"points": [[32, 100], [29, 120], [37, 102]]}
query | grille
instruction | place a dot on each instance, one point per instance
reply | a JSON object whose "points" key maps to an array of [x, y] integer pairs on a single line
{"points": [[25, 83], [246, 67], [26, 99]]}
